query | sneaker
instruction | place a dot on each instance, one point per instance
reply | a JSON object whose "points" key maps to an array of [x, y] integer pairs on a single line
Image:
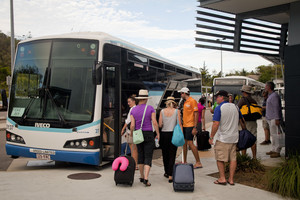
{"points": [[270, 152], [266, 142], [275, 155]]}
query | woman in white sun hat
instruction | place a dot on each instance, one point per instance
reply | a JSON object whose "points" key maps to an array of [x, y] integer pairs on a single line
{"points": [[145, 149]]}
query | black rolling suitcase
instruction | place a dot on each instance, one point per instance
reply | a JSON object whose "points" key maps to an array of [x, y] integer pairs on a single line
{"points": [[183, 177], [202, 140], [127, 176]]}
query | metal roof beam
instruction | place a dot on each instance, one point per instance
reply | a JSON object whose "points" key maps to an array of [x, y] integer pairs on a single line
{"points": [[265, 11]]}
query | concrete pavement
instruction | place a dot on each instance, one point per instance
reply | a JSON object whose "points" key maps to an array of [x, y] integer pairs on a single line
{"points": [[48, 182]]}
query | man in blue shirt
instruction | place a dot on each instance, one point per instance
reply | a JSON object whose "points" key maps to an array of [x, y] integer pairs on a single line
{"points": [[225, 127]]}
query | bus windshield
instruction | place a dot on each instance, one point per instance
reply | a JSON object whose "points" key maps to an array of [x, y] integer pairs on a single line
{"points": [[53, 81]]}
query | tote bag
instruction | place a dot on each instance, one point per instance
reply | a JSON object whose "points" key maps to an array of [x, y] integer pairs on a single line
{"points": [[177, 138], [138, 134]]}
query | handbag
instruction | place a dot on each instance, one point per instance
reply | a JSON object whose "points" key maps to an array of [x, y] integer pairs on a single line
{"points": [[138, 134], [177, 138], [246, 139], [202, 140], [281, 137]]}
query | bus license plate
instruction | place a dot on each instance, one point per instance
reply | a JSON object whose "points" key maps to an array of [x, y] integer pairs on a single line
{"points": [[43, 156]]}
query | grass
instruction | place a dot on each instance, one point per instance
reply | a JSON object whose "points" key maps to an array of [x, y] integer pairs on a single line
{"points": [[285, 179]]}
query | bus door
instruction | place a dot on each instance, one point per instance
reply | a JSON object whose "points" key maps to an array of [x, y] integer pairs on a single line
{"points": [[111, 111]]}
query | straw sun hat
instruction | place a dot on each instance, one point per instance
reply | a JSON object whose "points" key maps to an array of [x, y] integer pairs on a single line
{"points": [[143, 94], [171, 100]]}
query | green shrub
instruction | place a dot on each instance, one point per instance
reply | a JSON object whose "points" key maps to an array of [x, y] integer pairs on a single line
{"points": [[285, 179], [246, 164]]}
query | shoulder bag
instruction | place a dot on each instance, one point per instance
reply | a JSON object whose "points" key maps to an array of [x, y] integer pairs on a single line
{"points": [[138, 134], [246, 139], [251, 111], [177, 138]]}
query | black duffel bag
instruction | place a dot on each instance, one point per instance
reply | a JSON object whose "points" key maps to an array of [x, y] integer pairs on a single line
{"points": [[246, 139]]}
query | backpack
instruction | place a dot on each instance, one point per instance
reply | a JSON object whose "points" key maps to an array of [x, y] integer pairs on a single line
{"points": [[251, 112]]}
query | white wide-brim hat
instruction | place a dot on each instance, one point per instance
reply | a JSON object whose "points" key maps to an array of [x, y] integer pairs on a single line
{"points": [[143, 94]]}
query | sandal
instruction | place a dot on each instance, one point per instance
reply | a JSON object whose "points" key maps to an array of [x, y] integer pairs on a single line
{"points": [[147, 184], [220, 183], [232, 184], [142, 180]]}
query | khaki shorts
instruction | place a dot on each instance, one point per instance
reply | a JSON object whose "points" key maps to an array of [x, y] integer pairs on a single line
{"points": [[225, 152], [265, 123]]}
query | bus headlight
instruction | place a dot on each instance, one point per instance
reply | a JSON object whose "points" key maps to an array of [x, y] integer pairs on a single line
{"points": [[85, 143], [11, 137]]}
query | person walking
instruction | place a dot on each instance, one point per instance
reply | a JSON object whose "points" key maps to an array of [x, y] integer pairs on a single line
{"points": [[264, 121], [126, 131], [201, 118], [273, 116], [251, 124], [225, 128], [167, 121], [145, 149], [190, 120]]}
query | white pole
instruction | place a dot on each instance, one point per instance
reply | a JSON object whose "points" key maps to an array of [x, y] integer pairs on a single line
{"points": [[221, 61], [12, 35]]}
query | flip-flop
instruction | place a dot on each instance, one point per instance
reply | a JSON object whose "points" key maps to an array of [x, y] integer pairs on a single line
{"points": [[230, 183], [220, 183]]}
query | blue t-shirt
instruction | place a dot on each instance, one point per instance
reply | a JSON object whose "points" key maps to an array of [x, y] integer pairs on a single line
{"points": [[217, 112]]}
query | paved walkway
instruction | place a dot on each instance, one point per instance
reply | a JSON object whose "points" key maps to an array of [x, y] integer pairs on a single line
{"points": [[3, 120], [24, 181]]}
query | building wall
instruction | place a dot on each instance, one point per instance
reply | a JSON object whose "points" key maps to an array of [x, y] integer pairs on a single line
{"points": [[294, 28], [292, 80]]}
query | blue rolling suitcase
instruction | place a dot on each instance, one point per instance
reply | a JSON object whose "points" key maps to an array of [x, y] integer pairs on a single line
{"points": [[183, 177]]}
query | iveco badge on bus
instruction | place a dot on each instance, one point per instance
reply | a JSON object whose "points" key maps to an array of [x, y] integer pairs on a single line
{"points": [[42, 125]]}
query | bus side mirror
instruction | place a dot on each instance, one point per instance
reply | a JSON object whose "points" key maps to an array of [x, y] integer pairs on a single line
{"points": [[97, 73]]}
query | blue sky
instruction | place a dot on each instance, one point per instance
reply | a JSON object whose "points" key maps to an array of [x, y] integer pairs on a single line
{"points": [[163, 26]]}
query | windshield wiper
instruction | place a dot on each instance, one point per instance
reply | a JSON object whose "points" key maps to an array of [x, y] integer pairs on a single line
{"points": [[32, 98], [61, 118]]}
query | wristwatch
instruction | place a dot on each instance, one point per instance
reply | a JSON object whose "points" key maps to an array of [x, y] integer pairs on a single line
{"points": [[211, 138]]}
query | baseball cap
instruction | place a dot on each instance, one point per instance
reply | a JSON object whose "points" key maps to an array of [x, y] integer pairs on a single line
{"points": [[184, 90], [222, 93]]}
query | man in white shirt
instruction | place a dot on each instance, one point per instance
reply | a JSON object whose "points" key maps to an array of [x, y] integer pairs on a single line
{"points": [[225, 127]]}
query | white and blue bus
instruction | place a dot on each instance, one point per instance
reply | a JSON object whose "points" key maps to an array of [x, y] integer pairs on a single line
{"points": [[234, 84], [69, 95]]}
